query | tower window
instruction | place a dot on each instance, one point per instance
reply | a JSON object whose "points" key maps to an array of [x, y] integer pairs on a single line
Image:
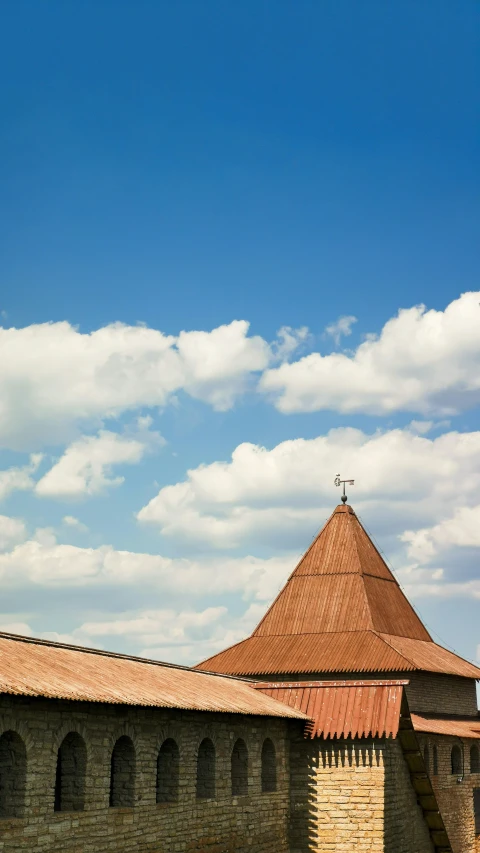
{"points": [[435, 760], [474, 759], [456, 758]]}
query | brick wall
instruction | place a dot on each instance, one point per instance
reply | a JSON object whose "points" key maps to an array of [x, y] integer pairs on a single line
{"points": [[455, 799], [224, 824], [353, 796]]}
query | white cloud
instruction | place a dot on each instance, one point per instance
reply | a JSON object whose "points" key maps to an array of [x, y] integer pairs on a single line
{"points": [[85, 467], [461, 530], [21, 628], [266, 496], [54, 379], [19, 479], [157, 626], [12, 531], [289, 341], [341, 328], [75, 523], [423, 361], [42, 562]]}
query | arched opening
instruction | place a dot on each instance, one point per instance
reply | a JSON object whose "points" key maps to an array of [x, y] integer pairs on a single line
{"points": [[269, 767], [435, 760], [474, 759], [168, 764], [456, 758], [239, 769], [122, 774], [13, 774], [206, 770], [70, 775], [426, 758]]}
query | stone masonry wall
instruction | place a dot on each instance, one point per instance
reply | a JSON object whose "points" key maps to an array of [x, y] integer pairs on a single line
{"points": [[257, 822], [441, 694], [455, 799], [353, 797]]}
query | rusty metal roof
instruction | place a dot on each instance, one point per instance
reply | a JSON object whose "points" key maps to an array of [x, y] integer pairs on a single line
{"points": [[454, 726], [31, 667], [355, 651], [349, 652], [341, 709], [340, 611], [342, 584]]}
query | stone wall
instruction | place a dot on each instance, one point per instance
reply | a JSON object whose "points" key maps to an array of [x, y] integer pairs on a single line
{"points": [[455, 798], [256, 822], [441, 694], [352, 796]]}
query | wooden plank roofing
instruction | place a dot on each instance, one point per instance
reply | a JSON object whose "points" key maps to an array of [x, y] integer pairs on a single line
{"points": [[341, 610], [39, 668]]}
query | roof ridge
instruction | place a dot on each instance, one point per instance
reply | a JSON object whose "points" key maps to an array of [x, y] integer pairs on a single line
{"points": [[402, 655]]}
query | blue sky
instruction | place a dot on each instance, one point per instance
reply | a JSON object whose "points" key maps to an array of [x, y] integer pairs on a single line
{"points": [[228, 171]]}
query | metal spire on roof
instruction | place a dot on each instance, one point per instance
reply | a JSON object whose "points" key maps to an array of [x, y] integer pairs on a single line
{"points": [[338, 482]]}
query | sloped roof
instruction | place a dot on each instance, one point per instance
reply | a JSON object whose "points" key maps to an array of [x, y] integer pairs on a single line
{"points": [[341, 610], [340, 709], [31, 667], [468, 727]]}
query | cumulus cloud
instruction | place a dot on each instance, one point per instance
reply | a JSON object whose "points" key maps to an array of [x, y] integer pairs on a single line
{"points": [[75, 523], [54, 379], [341, 328], [461, 530], [42, 562], [288, 341], [12, 531], [169, 634], [19, 479], [423, 361], [85, 467], [281, 495]]}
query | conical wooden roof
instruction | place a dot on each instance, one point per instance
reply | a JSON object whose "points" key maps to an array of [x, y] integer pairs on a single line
{"points": [[341, 610]]}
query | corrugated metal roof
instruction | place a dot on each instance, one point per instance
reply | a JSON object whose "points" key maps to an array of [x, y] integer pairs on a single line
{"points": [[430, 657], [340, 611], [343, 547], [352, 651], [468, 727], [342, 584], [341, 709], [317, 604], [56, 671]]}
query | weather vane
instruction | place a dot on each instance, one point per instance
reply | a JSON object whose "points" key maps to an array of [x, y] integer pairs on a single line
{"points": [[338, 482]]}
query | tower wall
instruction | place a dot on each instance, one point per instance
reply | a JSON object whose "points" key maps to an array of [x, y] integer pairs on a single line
{"points": [[455, 798], [430, 692], [350, 796]]}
